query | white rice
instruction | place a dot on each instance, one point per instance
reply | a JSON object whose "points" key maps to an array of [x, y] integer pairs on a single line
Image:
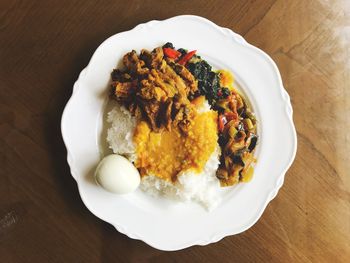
{"points": [[205, 107], [121, 132], [202, 188]]}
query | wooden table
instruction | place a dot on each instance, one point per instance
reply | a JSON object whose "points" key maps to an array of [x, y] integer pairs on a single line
{"points": [[44, 46]]}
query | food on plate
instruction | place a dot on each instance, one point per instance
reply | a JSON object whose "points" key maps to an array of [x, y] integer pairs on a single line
{"points": [[117, 174], [172, 151], [185, 127], [236, 123], [155, 89]]}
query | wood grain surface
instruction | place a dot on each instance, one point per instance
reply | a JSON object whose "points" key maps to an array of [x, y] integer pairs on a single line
{"points": [[45, 44]]}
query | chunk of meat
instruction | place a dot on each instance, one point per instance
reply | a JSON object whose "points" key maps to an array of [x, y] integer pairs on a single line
{"points": [[157, 57], [132, 62], [151, 111], [122, 90], [120, 76], [146, 56], [154, 89], [186, 75], [167, 117]]}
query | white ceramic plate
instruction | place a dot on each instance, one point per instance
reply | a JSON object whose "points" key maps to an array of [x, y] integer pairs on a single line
{"points": [[165, 224]]}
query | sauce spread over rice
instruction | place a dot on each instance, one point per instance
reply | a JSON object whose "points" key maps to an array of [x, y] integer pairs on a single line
{"points": [[169, 153]]}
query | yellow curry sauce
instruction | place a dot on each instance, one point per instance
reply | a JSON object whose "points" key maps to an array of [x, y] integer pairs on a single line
{"points": [[166, 154]]}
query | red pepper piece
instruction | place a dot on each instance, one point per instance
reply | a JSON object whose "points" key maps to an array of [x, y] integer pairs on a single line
{"points": [[231, 116], [186, 57], [171, 53], [221, 122]]}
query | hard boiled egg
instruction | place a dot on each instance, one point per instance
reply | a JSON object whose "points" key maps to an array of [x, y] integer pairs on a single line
{"points": [[117, 174]]}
